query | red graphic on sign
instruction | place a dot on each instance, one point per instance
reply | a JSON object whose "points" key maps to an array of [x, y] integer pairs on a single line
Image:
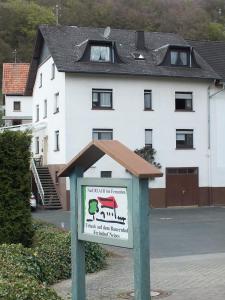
{"points": [[109, 202]]}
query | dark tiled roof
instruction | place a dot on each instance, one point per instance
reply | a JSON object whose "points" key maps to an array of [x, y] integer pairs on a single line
{"points": [[67, 44], [14, 78], [213, 52]]}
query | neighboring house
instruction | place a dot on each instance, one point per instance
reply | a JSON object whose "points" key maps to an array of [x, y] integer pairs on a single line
{"points": [[214, 53], [17, 107], [139, 88]]}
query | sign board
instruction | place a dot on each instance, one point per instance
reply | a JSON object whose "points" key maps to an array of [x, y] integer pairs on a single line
{"points": [[105, 211]]}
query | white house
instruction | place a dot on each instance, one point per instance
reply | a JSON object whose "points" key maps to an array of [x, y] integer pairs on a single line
{"points": [[143, 89], [17, 107], [214, 53]]}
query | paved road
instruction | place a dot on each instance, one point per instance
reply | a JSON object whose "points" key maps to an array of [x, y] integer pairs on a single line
{"points": [[188, 257], [174, 232]]}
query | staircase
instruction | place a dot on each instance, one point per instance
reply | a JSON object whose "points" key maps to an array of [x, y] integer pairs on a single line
{"points": [[45, 186], [51, 199]]}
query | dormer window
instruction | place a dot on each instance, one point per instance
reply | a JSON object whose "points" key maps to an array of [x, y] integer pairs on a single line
{"points": [[179, 58], [176, 56], [100, 53]]}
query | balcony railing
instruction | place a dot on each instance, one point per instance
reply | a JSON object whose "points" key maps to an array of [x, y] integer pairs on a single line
{"points": [[37, 181]]}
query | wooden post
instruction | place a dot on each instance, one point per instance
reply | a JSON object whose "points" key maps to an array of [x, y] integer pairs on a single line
{"points": [[77, 247], [141, 211]]}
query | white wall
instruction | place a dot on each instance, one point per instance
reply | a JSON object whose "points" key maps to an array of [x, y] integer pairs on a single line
{"points": [[25, 105], [54, 121], [129, 120], [217, 105]]}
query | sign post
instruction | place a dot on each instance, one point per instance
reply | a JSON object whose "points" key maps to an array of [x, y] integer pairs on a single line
{"points": [[141, 252], [110, 211]]}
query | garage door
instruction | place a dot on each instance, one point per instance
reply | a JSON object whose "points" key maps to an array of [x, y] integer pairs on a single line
{"points": [[181, 186]]}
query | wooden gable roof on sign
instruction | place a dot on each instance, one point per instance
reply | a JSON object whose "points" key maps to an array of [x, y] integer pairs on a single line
{"points": [[117, 151]]}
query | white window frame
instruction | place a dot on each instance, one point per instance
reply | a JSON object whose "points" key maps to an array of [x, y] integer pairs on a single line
{"points": [[52, 71], [185, 96], [57, 146], [148, 107], [37, 112], [16, 102], [106, 174], [97, 133], [37, 145], [97, 98], [93, 56], [40, 80], [56, 104], [148, 138], [185, 133], [45, 108]]}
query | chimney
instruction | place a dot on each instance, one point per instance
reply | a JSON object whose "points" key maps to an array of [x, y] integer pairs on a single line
{"points": [[140, 40]]}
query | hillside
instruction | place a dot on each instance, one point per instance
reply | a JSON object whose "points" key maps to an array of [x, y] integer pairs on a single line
{"points": [[193, 19]]}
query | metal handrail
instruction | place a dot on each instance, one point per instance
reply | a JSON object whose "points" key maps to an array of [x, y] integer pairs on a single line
{"points": [[37, 181]]}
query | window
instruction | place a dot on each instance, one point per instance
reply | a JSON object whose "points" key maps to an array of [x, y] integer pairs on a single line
{"points": [[102, 134], [183, 101], [40, 80], [106, 174], [101, 98], [36, 145], [179, 57], [16, 106], [148, 138], [56, 109], [57, 140], [100, 53], [16, 122], [184, 139], [182, 171], [147, 100], [53, 71], [45, 108], [37, 113]]}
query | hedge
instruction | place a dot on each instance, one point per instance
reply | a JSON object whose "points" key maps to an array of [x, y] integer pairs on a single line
{"points": [[15, 182], [53, 249], [25, 273], [20, 275]]}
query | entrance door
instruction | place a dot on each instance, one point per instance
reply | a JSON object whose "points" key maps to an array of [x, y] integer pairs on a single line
{"points": [[181, 186], [45, 150]]}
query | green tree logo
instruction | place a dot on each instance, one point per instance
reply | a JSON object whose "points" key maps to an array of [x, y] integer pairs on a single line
{"points": [[93, 207]]}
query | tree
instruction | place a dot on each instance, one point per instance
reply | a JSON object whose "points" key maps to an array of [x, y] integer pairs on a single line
{"points": [[19, 20], [15, 188], [216, 32], [93, 207]]}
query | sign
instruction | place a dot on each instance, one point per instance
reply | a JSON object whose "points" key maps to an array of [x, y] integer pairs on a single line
{"points": [[105, 211]]}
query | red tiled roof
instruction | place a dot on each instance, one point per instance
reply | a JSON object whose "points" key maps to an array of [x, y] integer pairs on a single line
{"points": [[14, 78]]}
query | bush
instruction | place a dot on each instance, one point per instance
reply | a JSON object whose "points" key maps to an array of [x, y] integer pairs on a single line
{"points": [[95, 257], [15, 216], [18, 262], [53, 249], [25, 272], [25, 289], [148, 153], [20, 275]]}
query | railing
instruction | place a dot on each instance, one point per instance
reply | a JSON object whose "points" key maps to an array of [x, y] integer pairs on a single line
{"points": [[37, 181], [21, 127]]}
